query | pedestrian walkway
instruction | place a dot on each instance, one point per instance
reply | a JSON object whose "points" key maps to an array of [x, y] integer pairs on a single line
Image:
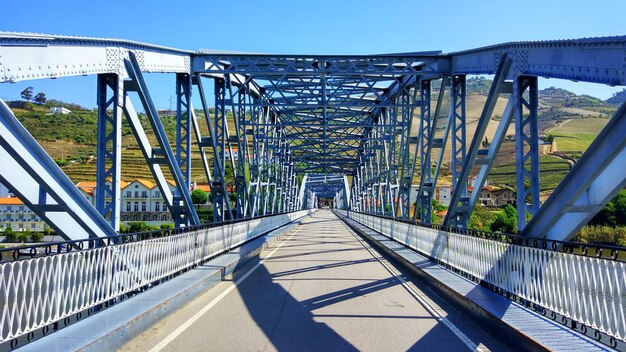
{"points": [[319, 289]]}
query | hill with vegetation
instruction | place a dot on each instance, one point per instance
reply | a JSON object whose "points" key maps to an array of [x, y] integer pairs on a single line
{"points": [[617, 98]]}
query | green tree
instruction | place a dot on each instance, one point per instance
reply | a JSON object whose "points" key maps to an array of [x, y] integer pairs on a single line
{"points": [[482, 218], [36, 237], [614, 212], [198, 197], [27, 94], [138, 226], [22, 236], [40, 98], [9, 235], [506, 221]]}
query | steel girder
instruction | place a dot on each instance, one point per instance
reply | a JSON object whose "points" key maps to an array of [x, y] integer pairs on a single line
{"points": [[324, 114], [460, 206], [36, 179], [526, 147], [458, 133], [179, 204], [109, 158], [183, 128], [428, 128]]}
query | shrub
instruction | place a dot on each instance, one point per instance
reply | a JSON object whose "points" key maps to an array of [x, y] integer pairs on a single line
{"points": [[22, 236], [596, 234], [10, 235], [36, 237], [506, 221]]}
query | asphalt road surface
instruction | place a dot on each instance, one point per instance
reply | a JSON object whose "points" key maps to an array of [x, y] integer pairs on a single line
{"points": [[319, 289]]}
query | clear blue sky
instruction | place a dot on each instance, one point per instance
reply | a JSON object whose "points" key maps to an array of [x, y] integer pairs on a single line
{"points": [[308, 27]]}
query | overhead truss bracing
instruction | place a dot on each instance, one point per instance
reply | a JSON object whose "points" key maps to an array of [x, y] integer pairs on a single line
{"points": [[366, 130]]}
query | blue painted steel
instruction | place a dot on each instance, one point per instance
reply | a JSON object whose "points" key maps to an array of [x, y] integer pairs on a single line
{"points": [[181, 207], [458, 215], [324, 115], [428, 128], [526, 147], [183, 133], [37, 180], [458, 138], [110, 102]]}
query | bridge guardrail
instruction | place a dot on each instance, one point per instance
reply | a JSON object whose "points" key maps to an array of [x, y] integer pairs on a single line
{"points": [[589, 291], [51, 248], [40, 291]]}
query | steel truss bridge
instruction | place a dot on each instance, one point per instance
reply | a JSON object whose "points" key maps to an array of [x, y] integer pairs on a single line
{"points": [[314, 126], [315, 116]]}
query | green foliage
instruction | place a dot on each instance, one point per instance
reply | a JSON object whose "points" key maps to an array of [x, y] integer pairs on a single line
{"points": [[166, 226], [36, 237], [550, 138], [482, 218], [617, 98], [27, 94], [614, 213], [437, 207], [138, 226], [198, 197], [70, 106], [478, 85], [602, 235], [123, 228], [205, 215], [506, 221], [40, 98], [22, 236]]}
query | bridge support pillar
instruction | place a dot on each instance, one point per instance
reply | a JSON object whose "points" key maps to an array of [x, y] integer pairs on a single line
{"points": [[183, 134], [458, 140], [109, 157], [526, 147]]}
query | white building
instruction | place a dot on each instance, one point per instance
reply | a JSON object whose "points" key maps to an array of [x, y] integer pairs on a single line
{"points": [[443, 193], [14, 214], [59, 110], [141, 200]]}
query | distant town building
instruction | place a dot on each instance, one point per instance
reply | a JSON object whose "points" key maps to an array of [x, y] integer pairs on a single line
{"points": [[17, 216], [59, 110], [141, 200], [497, 196], [545, 147], [442, 194]]}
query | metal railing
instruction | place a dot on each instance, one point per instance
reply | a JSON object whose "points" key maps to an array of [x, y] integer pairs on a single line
{"points": [[40, 291], [28, 251], [554, 277]]}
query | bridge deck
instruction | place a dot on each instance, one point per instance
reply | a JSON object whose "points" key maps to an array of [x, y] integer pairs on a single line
{"points": [[321, 288]]}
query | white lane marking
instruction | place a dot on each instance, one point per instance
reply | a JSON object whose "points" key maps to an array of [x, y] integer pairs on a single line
{"points": [[215, 301], [434, 311]]}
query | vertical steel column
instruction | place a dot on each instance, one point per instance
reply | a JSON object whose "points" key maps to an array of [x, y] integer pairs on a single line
{"points": [[459, 135], [109, 166], [219, 198], [425, 200], [526, 147], [428, 178], [183, 134]]}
